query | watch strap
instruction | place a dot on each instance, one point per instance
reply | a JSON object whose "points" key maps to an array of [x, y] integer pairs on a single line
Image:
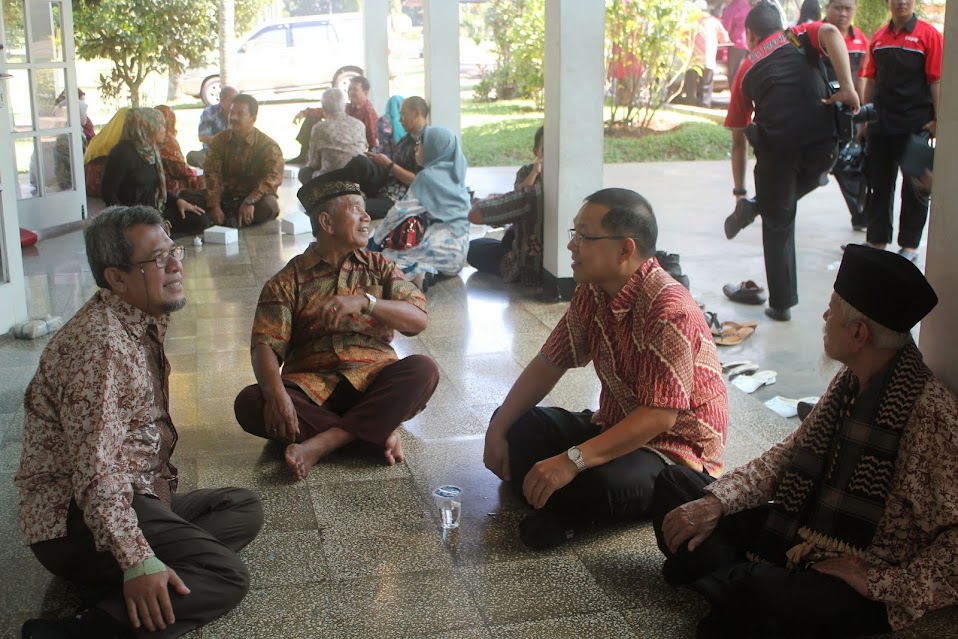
{"points": [[372, 303]]}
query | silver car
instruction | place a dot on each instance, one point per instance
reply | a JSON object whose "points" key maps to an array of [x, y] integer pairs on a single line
{"points": [[293, 54]]}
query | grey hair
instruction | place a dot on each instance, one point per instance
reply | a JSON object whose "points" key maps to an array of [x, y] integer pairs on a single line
{"points": [[880, 336], [334, 101], [106, 241], [331, 206]]}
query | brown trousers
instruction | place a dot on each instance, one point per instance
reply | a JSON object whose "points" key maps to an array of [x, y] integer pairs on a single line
{"points": [[197, 536], [265, 209], [397, 393]]}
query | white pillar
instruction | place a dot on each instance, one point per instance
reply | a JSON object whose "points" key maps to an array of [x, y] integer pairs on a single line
{"points": [[441, 58], [376, 37], [938, 341], [574, 86]]}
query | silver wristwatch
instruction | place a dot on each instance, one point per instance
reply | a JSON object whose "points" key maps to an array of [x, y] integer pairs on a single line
{"points": [[372, 304], [575, 455]]}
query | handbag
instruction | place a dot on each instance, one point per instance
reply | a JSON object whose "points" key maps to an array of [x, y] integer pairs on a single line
{"points": [[408, 234]]}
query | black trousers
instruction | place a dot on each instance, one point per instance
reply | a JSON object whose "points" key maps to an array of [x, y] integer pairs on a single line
{"points": [[189, 224], [265, 209], [752, 599], [782, 177], [884, 154], [698, 86], [618, 490], [198, 537], [853, 188], [485, 254]]}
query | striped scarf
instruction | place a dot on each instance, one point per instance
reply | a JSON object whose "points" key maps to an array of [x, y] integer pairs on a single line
{"points": [[832, 494]]}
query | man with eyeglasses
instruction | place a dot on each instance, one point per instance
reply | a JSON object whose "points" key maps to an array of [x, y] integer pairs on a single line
{"points": [[97, 492], [662, 400]]}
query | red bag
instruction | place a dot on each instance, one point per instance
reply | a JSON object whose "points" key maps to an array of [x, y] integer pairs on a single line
{"points": [[407, 235]]}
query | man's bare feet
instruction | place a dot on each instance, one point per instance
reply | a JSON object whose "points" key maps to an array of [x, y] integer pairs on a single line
{"points": [[393, 450], [297, 462]]}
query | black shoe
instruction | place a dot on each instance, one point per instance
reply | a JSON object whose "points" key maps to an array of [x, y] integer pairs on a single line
{"points": [[542, 531], [744, 214], [778, 314], [86, 624]]}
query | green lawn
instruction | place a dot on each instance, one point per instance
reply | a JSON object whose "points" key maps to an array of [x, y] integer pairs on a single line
{"points": [[500, 134]]}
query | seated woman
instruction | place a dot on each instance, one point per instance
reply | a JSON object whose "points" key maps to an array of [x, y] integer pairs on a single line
{"points": [[389, 128], [517, 257], [437, 201], [179, 175], [94, 158], [134, 174]]}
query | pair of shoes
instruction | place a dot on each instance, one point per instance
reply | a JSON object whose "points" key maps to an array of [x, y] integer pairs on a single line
{"points": [[909, 255], [748, 292], [778, 314], [543, 530], [733, 333], [804, 408], [744, 214], [859, 227]]}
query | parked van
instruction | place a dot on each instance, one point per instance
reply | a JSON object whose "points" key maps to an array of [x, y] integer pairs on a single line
{"points": [[293, 54]]}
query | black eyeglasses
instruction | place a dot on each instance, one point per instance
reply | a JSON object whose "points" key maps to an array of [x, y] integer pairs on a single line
{"points": [[161, 260], [578, 238]]}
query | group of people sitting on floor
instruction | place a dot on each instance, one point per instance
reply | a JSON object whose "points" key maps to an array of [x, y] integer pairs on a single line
{"points": [[848, 526], [854, 515]]}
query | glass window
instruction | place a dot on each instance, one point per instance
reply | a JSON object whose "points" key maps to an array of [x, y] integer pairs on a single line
{"points": [[15, 41], [46, 35], [315, 35], [28, 171], [57, 165], [51, 99], [270, 38], [19, 94]]}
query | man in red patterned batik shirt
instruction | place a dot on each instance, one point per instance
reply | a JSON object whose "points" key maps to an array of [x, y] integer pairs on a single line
{"points": [[663, 401]]}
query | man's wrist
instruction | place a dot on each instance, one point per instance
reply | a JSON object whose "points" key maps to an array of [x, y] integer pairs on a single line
{"points": [[149, 566]]}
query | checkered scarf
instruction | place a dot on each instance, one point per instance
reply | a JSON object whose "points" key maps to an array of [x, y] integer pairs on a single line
{"points": [[832, 494]]}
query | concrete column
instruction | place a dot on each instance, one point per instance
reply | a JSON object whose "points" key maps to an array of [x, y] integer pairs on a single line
{"points": [[376, 37], [938, 340], [574, 85], [441, 57]]}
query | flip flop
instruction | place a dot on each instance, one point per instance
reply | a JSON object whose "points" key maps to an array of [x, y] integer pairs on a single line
{"points": [[751, 383], [732, 336], [744, 369], [712, 320], [739, 325]]}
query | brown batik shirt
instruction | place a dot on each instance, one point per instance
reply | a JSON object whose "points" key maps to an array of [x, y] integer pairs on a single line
{"points": [[97, 428], [313, 357], [242, 167]]}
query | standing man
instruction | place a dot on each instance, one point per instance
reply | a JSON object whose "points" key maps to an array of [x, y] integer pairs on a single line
{"points": [[663, 400], [850, 525], [362, 109], [213, 120], [793, 135], [97, 492], [700, 78], [244, 170], [903, 76], [326, 375]]}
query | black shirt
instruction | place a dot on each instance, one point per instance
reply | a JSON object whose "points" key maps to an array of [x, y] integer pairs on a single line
{"points": [[128, 179]]}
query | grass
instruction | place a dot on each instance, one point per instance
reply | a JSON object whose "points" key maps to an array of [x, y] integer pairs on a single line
{"points": [[500, 134]]}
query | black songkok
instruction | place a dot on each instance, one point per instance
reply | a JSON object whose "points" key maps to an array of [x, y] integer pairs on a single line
{"points": [[318, 190], [885, 287]]}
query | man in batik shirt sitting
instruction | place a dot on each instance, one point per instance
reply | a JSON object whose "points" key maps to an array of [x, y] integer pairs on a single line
{"points": [[850, 525], [326, 373]]}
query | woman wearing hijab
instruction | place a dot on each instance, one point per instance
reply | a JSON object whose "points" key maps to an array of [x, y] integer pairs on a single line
{"points": [[439, 201], [134, 173], [389, 128], [179, 175], [94, 158]]}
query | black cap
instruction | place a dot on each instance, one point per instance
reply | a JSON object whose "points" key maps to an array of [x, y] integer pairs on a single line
{"points": [[884, 287], [318, 190]]}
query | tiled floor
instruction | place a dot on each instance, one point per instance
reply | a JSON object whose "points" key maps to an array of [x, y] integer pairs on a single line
{"points": [[356, 550]]}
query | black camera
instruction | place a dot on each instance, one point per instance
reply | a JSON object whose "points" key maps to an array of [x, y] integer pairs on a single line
{"points": [[868, 113], [851, 159]]}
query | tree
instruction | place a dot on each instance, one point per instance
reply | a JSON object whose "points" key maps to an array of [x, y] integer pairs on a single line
{"points": [[518, 32], [143, 36], [648, 49]]}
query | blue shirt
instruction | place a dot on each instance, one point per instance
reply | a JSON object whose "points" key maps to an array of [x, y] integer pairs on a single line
{"points": [[212, 121]]}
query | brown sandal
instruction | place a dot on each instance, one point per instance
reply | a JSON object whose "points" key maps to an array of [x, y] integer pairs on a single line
{"points": [[733, 335]]}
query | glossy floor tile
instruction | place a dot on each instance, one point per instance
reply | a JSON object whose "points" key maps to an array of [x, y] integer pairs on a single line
{"points": [[356, 550]]}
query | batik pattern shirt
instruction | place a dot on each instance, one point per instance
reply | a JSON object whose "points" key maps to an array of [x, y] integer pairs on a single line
{"points": [[913, 557], [334, 142], [367, 115], [404, 156], [651, 347], [97, 428], [237, 167], [313, 357]]}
